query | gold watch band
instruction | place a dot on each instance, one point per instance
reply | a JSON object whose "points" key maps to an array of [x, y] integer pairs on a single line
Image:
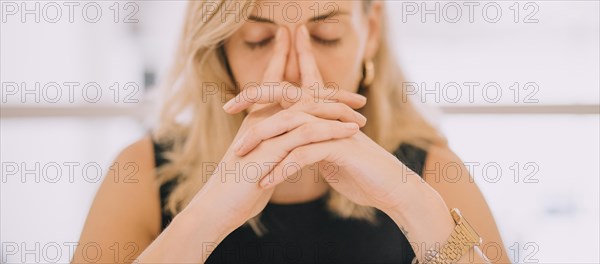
{"points": [[463, 237]]}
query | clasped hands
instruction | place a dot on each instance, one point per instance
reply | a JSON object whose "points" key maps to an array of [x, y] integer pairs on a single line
{"points": [[310, 129]]}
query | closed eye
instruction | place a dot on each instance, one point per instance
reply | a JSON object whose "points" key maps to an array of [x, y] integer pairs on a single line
{"points": [[326, 42], [260, 44], [320, 41]]}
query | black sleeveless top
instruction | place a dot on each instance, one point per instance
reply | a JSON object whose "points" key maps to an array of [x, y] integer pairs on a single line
{"points": [[308, 233]]}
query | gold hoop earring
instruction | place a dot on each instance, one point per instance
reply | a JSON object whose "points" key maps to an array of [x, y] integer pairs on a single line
{"points": [[368, 73]]}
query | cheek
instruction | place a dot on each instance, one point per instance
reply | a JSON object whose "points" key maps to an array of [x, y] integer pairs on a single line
{"points": [[341, 66], [247, 66]]}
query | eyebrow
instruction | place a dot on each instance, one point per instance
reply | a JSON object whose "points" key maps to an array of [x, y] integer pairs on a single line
{"points": [[313, 19]]}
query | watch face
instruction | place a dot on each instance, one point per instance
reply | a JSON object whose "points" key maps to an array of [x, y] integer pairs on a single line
{"points": [[456, 215]]}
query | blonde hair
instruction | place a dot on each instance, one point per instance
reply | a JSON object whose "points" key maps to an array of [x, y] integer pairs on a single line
{"points": [[199, 131]]}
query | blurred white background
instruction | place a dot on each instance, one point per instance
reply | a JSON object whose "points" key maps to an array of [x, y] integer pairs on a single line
{"points": [[535, 147]]}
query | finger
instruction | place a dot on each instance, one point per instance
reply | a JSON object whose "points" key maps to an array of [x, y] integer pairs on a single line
{"points": [[284, 93], [276, 68], [312, 79], [311, 132], [309, 72], [335, 94], [287, 120], [331, 111], [281, 122], [295, 161], [273, 75], [295, 142]]}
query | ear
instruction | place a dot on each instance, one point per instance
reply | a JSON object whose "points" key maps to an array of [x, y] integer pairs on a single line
{"points": [[374, 20]]}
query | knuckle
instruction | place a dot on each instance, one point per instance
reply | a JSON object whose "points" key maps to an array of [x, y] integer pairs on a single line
{"points": [[337, 110], [307, 99], [338, 107], [313, 133], [304, 117], [307, 129], [299, 118], [316, 107], [298, 155]]}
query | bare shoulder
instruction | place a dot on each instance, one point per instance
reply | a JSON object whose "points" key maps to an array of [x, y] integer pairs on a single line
{"points": [[134, 169], [437, 153], [141, 151], [126, 208], [133, 178], [445, 164]]}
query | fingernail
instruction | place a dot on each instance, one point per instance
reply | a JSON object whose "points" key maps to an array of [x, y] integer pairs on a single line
{"points": [[267, 182], [360, 97], [264, 184], [238, 145], [278, 34], [229, 104], [362, 118], [304, 32]]}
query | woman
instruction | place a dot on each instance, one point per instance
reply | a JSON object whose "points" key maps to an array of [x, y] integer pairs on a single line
{"points": [[286, 136]]}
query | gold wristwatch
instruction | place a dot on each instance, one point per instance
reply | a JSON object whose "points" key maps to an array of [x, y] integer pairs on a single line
{"points": [[463, 237]]}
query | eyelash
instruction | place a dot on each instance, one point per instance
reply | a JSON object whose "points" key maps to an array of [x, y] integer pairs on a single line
{"points": [[260, 44], [263, 43], [327, 42]]}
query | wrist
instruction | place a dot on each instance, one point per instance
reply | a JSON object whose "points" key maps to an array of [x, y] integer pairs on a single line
{"points": [[413, 198], [200, 215], [423, 217], [425, 209], [191, 237]]}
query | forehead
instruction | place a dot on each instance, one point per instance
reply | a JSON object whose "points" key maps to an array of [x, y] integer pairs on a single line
{"points": [[301, 11]]}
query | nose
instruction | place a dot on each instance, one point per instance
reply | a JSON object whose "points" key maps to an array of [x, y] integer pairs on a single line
{"points": [[292, 68]]}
